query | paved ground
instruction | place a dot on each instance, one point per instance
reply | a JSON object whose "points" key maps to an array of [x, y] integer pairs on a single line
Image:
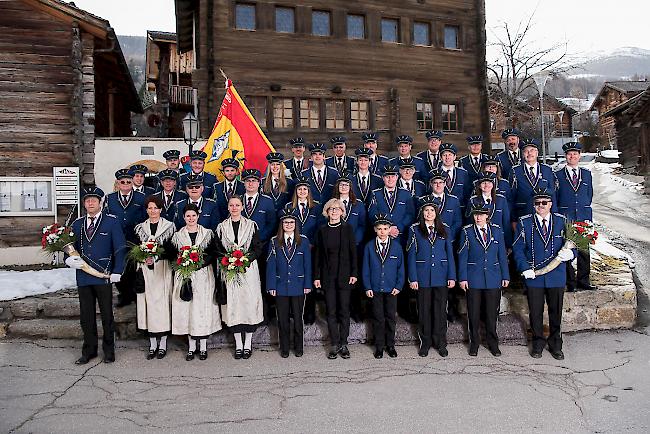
{"points": [[602, 386]]}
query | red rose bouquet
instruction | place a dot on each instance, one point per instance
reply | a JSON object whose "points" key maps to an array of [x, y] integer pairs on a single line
{"points": [[234, 263], [582, 234], [139, 253], [189, 260], [56, 238]]}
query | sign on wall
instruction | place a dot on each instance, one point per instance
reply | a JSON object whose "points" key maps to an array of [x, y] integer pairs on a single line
{"points": [[66, 185]]}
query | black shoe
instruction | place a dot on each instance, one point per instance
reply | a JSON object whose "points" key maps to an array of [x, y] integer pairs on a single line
{"points": [[423, 352], [123, 302], [570, 290], [473, 350], [109, 359], [333, 354], [203, 355], [392, 352], [557, 354], [536, 354], [84, 359], [299, 353], [284, 354], [161, 354], [379, 354], [238, 354], [247, 354], [496, 352], [443, 352], [189, 356], [309, 320], [151, 354], [344, 352]]}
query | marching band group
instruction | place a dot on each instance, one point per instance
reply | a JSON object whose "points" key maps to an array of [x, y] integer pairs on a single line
{"points": [[407, 234]]}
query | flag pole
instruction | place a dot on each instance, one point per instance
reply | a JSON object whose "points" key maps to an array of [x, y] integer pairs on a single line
{"points": [[223, 74]]}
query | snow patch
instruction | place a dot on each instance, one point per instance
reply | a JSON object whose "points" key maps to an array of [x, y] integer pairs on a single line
{"points": [[20, 284]]}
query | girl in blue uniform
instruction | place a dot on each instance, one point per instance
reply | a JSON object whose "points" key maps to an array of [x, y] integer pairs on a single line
{"points": [[482, 271], [288, 279], [431, 272], [487, 195], [275, 183]]}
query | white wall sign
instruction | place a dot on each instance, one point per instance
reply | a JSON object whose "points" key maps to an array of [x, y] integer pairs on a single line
{"points": [[66, 185]]}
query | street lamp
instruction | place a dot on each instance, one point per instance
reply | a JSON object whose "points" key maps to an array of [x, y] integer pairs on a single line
{"points": [[190, 131], [561, 115], [540, 80]]}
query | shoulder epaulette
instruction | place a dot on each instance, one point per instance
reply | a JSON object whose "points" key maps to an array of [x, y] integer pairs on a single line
{"points": [[468, 226]]}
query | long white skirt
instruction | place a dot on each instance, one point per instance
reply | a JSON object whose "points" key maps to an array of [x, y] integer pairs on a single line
{"points": [[154, 304], [200, 316], [244, 304]]}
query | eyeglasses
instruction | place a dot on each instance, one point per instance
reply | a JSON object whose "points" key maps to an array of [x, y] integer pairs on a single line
{"points": [[335, 208], [124, 182], [542, 203], [289, 222], [194, 187]]}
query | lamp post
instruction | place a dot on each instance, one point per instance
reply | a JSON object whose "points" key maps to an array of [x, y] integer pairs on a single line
{"points": [[540, 80], [561, 115], [190, 131]]}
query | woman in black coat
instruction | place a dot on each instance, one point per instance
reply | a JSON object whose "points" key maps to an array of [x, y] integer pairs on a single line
{"points": [[335, 271]]}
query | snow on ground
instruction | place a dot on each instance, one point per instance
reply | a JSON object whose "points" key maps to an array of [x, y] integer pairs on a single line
{"points": [[19, 284]]}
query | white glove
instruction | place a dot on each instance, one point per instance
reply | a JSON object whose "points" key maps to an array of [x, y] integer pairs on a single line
{"points": [[565, 255], [115, 278], [287, 172], [529, 274], [74, 262]]}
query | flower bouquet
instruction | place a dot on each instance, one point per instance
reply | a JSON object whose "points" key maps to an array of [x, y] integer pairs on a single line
{"points": [[139, 253], [234, 264], [190, 259], [56, 238], [578, 235]]}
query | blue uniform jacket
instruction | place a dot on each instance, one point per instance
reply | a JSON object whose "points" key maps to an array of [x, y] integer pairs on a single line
{"points": [[523, 190], [355, 216], [532, 251], [281, 200], [105, 251], [574, 203], [264, 215], [296, 172], [288, 274], [330, 176], [420, 167], [451, 214], [383, 275], [461, 186], [146, 190], [499, 215], [377, 165], [209, 215], [209, 181], [418, 188], [373, 182], [349, 163], [221, 198], [169, 211], [128, 216], [430, 264], [310, 222], [472, 171], [506, 163], [424, 156], [504, 189], [401, 212], [483, 266]]}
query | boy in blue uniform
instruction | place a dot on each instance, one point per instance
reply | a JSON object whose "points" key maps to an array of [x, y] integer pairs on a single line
{"points": [[448, 204], [209, 215], [230, 186], [298, 163], [539, 239], [197, 163], [511, 156], [457, 181], [364, 180], [341, 162], [528, 176], [128, 207], [407, 179], [502, 186], [258, 207], [431, 156], [139, 171], [482, 272], [472, 161], [288, 280], [574, 194], [168, 193], [383, 278], [404, 145], [395, 203], [377, 162], [101, 244], [321, 177]]}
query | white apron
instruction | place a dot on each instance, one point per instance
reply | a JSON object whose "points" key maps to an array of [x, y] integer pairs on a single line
{"points": [[244, 304], [199, 316], [154, 305]]}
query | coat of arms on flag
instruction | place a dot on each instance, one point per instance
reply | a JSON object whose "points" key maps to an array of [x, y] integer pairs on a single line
{"points": [[236, 130]]}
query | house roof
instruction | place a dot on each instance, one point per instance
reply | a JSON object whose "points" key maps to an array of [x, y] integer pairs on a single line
{"points": [[156, 35], [631, 106], [185, 23], [630, 88], [548, 97], [102, 30]]}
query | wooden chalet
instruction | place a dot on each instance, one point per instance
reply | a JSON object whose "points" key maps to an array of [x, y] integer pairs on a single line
{"points": [[64, 82], [169, 79], [319, 68], [612, 94], [558, 116], [499, 119], [632, 124]]}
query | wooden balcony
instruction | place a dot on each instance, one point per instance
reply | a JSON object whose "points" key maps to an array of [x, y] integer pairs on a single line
{"points": [[181, 95]]}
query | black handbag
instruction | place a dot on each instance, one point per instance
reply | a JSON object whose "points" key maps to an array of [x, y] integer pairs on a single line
{"points": [[138, 282], [186, 290], [220, 292]]}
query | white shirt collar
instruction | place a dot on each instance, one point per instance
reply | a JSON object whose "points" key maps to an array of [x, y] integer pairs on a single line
{"points": [[288, 235], [528, 166], [364, 175], [254, 196], [540, 218], [486, 197]]}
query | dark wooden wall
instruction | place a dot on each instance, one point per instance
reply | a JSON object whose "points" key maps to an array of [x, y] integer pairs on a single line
{"points": [[392, 76]]}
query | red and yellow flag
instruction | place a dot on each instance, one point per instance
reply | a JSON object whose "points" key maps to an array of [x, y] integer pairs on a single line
{"points": [[236, 130]]}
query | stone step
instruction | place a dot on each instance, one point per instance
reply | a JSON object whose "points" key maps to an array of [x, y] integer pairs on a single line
{"points": [[510, 330]]}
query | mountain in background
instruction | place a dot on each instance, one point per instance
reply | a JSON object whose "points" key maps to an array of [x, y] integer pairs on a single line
{"points": [[620, 64], [134, 49]]}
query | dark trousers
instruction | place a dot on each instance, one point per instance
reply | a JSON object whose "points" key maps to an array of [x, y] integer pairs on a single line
{"points": [[288, 308], [337, 303], [554, 298], [103, 295], [486, 300], [584, 268], [125, 285], [384, 307], [432, 316]]}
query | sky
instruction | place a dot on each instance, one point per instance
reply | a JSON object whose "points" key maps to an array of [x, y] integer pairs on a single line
{"points": [[587, 25]]}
